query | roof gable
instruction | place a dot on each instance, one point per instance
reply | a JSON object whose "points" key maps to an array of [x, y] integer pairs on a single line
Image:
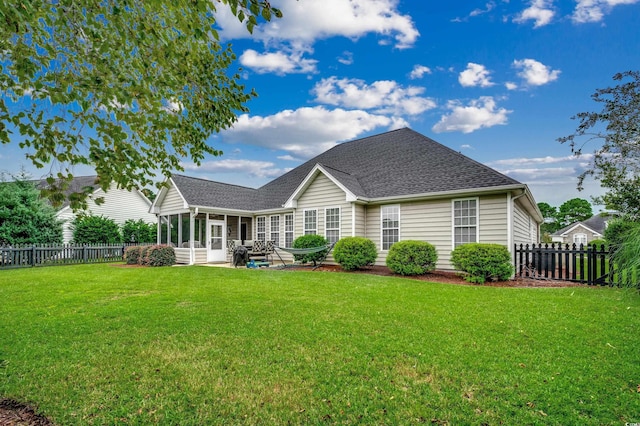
{"points": [[329, 173]]}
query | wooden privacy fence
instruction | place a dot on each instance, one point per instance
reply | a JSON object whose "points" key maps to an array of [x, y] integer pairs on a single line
{"points": [[578, 263], [49, 255]]}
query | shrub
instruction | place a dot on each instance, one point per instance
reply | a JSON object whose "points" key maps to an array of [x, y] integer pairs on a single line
{"points": [[142, 259], [309, 241], [132, 255], [159, 255], [138, 231], [95, 230], [482, 262], [598, 244], [412, 257], [355, 252], [627, 258], [616, 231]]}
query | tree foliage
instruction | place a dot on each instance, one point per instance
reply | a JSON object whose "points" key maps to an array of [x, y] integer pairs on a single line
{"points": [[89, 229], [138, 231], [574, 210], [24, 217], [550, 216], [129, 88], [616, 161]]}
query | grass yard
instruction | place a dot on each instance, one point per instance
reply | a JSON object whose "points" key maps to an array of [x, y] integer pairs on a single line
{"points": [[100, 344]]}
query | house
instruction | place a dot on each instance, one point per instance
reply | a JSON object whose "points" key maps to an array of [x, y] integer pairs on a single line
{"points": [[398, 185], [119, 204], [583, 232]]}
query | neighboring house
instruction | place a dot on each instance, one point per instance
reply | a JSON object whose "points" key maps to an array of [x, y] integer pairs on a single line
{"points": [[583, 232], [395, 186], [119, 204]]}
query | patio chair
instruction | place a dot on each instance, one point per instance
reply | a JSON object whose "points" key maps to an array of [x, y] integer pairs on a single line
{"points": [[269, 249], [231, 248], [257, 249]]}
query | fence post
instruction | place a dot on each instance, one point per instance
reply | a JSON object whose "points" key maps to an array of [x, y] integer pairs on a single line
{"points": [[84, 253], [33, 255]]}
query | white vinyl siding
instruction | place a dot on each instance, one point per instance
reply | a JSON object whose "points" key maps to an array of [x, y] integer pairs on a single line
{"points": [[389, 226], [119, 205], [492, 219], [522, 224], [172, 202], [320, 194]]}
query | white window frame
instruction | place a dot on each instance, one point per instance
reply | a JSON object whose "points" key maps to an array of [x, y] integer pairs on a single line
{"points": [[289, 229], [309, 231], [261, 232], [274, 231], [383, 216], [580, 236], [455, 226], [335, 228]]}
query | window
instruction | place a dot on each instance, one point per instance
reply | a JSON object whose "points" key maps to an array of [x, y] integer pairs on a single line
{"points": [[465, 222], [580, 238], [332, 224], [310, 222], [275, 229], [261, 228], [390, 225], [288, 230]]}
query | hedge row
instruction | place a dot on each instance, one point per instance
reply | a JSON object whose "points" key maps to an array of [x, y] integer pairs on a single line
{"points": [[156, 255]]}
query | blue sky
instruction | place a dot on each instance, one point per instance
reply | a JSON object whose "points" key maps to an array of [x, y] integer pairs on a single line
{"points": [[496, 80]]}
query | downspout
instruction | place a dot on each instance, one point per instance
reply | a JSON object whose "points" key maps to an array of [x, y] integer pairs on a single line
{"points": [[510, 218]]}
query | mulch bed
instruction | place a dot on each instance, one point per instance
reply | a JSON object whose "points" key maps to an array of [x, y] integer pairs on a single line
{"points": [[444, 277], [14, 413]]}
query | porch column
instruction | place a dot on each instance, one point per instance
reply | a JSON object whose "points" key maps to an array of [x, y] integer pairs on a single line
{"points": [[192, 225], [159, 230]]}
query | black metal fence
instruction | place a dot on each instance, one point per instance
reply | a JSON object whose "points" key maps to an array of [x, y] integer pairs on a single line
{"points": [[578, 263], [49, 255]]}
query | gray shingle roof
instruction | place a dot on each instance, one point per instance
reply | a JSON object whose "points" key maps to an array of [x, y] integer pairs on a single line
{"points": [[596, 223], [397, 163], [76, 185]]}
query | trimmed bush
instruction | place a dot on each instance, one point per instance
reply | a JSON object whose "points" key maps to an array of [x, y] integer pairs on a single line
{"points": [[412, 257], [355, 252], [138, 231], [159, 256], [95, 230], [483, 262], [132, 255], [309, 241]]}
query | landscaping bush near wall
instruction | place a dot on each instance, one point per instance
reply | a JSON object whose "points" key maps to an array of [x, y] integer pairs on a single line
{"points": [[355, 252], [483, 262], [412, 257], [310, 241], [157, 255]]}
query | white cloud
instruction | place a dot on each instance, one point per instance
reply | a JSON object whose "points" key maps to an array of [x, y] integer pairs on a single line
{"points": [[306, 132], [475, 75], [383, 96], [346, 58], [535, 73], [540, 11], [542, 160], [258, 169], [488, 8], [480, 113], [277, 62], [419, 71], [308, 21], [510, 85], [594, 10], [287, 158]]}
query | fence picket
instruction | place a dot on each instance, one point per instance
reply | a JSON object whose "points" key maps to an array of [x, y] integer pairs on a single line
{"points": [[588, 265]]}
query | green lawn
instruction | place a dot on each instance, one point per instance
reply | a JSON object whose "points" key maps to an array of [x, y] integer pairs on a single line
{"points": [[99, 344]]}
